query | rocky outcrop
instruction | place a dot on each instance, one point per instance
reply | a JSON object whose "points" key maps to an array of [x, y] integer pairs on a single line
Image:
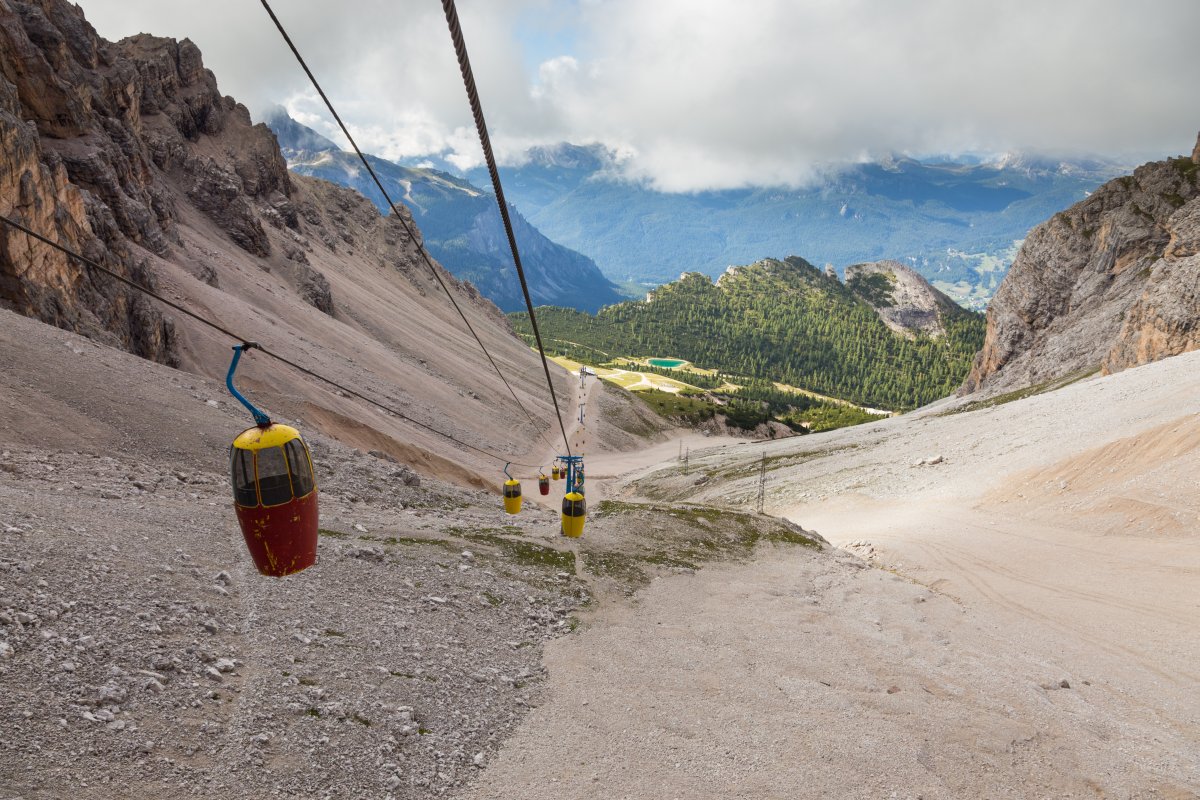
{"points": [[1112, 282], [1165, 319], [902, 298], [41, 90], [107, 145]]}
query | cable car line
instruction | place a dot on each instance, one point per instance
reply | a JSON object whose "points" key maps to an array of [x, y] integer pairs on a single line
{"points": [[119, 277], [244, 340], [464, 64], [411, 234]]}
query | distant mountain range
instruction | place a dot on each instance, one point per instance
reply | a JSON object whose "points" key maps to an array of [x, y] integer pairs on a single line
{"points": [[460, 222], [956, 222]]}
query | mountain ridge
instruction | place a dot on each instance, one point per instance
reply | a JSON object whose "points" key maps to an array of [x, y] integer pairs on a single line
{"points": [[954, 223], [128, 153], [460, 222]]}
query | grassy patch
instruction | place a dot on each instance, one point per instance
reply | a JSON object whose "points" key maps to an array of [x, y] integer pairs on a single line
{"points": [[610, 507], [703, 534], [1174, 199], [332, 534], [525, 553], [411, 541], [687, 407], [1028, 391], [828, 418], [1186, 167]]}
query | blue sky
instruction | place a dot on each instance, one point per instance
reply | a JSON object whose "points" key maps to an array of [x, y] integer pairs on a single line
{"points": [[543, 36], [703, 94]]}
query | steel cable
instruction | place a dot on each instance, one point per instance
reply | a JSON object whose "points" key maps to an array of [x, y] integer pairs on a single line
{"points": [[396, 212], [464, 64], [270, 354]]}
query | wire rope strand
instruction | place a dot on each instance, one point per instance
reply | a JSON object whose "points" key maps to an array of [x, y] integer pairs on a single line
{"points": [[464, 64], [396, 212], [226, 332]]}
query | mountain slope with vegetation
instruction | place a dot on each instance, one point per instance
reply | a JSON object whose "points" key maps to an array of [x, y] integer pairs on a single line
{"points": [[460, 222], [780, 321]]}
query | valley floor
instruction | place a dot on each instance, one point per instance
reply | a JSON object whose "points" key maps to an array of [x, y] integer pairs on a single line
{"points": [[1023, 624]]}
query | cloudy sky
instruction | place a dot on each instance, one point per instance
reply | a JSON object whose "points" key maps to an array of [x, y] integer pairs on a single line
{"points": [[702, 94]]}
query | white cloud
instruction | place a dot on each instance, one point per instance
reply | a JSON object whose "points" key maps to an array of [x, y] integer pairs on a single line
{"points": [[553, 75], [711, 93]]}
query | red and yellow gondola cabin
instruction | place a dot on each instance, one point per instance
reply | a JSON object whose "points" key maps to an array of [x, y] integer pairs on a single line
{"points": [[275, 495]]}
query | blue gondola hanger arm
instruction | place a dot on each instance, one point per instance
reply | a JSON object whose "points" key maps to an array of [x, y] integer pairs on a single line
{"points": [[260, 419]]}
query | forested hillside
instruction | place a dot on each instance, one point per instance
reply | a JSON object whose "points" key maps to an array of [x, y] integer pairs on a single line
{"points": [[777, 320]]}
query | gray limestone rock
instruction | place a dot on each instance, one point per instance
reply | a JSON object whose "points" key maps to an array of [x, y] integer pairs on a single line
{"points": [[1109, 283]]}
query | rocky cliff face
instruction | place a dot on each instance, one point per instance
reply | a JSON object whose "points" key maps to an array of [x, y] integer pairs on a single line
{"points": [[128, 153], [45, 98], [1112, 282], [904, 300], [107, 145]]}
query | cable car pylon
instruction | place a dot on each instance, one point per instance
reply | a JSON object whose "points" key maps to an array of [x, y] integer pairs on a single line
{"points": [[574, 508]]}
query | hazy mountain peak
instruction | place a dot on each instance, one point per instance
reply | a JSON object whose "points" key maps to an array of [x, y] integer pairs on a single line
{"points": [[294, 138], [564, 155], [460, 221]]}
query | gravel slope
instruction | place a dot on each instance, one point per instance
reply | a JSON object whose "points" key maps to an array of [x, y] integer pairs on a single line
{"points": [[141, 656], [1028, 629]]}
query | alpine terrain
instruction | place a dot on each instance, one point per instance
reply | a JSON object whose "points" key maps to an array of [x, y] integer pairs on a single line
{"points": [[988, 595], [1107, 284], [885, 338]]}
